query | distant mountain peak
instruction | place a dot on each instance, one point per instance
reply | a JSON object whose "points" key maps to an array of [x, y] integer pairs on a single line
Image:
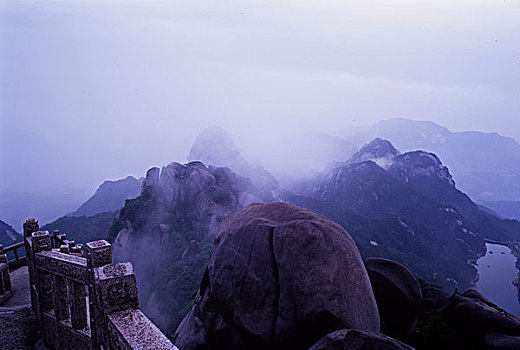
{"points": [[378, 150], [215, 147], [419, 164], [110, 196]]}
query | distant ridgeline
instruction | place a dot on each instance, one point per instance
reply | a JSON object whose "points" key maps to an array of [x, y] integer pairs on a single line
{"points": [[92, 220]]}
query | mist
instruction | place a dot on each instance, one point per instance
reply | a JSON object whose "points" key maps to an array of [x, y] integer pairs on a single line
{"points": [[100, 90]]}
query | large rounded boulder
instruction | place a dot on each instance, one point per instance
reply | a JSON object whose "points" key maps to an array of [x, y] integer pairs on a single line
{"points": [[398, 294], [284, 277]]}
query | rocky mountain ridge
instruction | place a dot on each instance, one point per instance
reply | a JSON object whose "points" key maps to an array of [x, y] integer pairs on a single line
{"points": [[485, 165], [177, 216]]}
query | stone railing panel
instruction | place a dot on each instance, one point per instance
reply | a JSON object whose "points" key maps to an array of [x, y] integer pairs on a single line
{"points": [[68, 266], [131, 329]]}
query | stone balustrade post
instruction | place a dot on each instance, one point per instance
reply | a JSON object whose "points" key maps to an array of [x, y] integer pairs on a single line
{"points": [[30, 226], [41, 241], [116, 290], [98, 253], [5, 279]]}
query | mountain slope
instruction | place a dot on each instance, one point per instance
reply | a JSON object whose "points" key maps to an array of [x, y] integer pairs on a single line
{"points": [[83, 229], [411, 212], [8, 235], [110, 196]]}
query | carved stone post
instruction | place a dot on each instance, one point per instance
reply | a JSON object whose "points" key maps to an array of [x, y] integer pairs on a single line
{"points": [[116, 290], [30, 226], [41, 241], [98, 253], [5, 278]]}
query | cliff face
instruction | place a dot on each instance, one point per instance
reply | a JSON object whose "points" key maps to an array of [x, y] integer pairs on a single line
{"points": [[177, 215]]}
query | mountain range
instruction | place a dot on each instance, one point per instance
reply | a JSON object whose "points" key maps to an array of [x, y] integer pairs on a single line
{"points": [[484, 165], [407, 207]]}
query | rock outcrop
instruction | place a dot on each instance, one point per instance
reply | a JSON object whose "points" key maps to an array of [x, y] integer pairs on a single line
{"points": [[475, 316], [279, 277], [215, 147], [398, 294], [354, 339], [179, 204], [379, 151], [420, 164]]}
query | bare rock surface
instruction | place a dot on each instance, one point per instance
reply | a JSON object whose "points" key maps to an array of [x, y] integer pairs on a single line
{"points": [[354, 339]]}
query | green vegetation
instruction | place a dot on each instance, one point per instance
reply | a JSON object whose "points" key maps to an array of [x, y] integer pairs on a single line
{"points": [[83, 229], [176, 283]]}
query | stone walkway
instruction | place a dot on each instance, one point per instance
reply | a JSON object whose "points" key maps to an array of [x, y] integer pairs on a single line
{"points": [[20, 284]]}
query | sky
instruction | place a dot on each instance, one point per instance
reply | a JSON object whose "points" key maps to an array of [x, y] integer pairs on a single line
{"points": [[96, 90]]}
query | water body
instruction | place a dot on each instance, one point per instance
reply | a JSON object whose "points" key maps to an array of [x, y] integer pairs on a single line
{"points": [[496, 272]]}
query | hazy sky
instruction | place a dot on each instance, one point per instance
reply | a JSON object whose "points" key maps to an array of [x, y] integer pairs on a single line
{"points": [[95, 90]]}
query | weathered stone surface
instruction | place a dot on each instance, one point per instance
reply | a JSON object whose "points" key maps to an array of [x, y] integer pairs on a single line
{"points": [[477, 318], [116, 287], [30, 226], [397, 292], [497, 341], [131, 329], [18, 328], [99, 252], [191, 333], [354, 339], [286, 276], [41, 241], [69, 266]]}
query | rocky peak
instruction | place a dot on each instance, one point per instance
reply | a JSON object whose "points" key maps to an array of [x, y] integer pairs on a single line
{"points": [[379, 151], [420, 164], [215, 147]]}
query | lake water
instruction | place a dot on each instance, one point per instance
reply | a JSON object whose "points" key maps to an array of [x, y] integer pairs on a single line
{"points": [[496, 272]]}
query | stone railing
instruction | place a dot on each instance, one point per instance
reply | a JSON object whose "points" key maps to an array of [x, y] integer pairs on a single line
{"points": [[18, 260], [5, 280], [83, 301]]}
